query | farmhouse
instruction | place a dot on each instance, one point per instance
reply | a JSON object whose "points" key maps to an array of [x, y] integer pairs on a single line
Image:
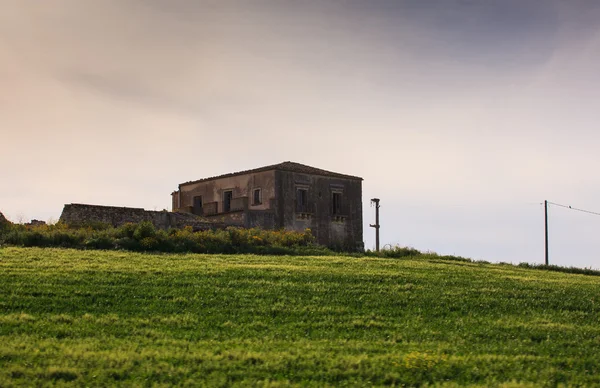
{"points": [[287, 195]]}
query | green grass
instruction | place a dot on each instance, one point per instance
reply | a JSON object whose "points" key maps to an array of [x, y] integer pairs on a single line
{"points": [[114, 318]]}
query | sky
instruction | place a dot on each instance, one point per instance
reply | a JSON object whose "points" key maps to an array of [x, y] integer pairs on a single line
{"points": [[462, 116]]}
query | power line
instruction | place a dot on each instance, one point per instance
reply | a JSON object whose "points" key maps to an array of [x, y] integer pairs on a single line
{"points": [[574, 208], [546, 221]]}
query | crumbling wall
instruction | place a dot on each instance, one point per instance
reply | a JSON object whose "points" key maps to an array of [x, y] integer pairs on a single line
{"points": [[232, 218], [260, 219], [35, 223], [80, 214]]}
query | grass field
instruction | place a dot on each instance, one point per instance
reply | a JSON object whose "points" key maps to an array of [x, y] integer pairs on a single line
{"points": [[113, 318]]}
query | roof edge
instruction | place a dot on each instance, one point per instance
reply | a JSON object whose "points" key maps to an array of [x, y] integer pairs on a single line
{"points": [[285, 166]]}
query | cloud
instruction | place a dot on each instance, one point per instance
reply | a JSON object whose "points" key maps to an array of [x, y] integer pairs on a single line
{"points": [[434, 103], [123, 88]]}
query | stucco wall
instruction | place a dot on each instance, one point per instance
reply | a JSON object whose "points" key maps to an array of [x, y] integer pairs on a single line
{"points": [[241, 185]]}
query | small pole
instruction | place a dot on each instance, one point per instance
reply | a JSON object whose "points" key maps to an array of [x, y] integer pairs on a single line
{"points": [[376, 226], [546, 228]]}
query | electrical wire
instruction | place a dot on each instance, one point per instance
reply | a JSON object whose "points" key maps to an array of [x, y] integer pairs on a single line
{"points": [[574, 208]]}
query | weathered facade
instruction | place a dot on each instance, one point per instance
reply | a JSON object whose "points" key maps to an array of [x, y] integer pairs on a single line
{"points": [[288, 196]]}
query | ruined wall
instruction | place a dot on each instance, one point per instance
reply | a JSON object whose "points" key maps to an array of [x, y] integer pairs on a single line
{"points": [[232, 218], [112, 215], [264, 219], [334, 230], [175, 200]]}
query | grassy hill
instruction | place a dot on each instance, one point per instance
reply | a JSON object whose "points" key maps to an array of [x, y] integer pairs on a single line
{"points": [[105, 318]]}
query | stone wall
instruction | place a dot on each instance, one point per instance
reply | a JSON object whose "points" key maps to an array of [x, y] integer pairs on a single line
{"points": [[35, 223], [264, 219], [232, 218], [341, 230], [80, 214]]}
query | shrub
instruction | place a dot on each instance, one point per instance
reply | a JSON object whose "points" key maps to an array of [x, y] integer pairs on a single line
{"points": [[145, 237], [126, 230], [556, 268], [456, 258], [144, 230], [149, 243], [100, 242], [93, 225], [128, 244], [395, 252], [36, 239], [14, 235], [67, 240]]}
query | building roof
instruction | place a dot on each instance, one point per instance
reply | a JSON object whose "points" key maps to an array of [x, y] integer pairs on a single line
{"points": [[285, 166]]}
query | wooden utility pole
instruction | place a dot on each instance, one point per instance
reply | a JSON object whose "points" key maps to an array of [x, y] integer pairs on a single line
{"points": [[376, 226], [546, 228]]}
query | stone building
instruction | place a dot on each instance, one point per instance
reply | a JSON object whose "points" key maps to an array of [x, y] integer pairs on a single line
{"points": [[288, 195]]}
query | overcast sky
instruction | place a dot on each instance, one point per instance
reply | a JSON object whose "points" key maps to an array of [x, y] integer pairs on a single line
{"points": [[461, 115]]}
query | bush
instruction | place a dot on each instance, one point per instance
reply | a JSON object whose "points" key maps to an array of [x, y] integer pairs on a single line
{"points": [[128, 244], [395, 252], [100, 242], [93, 225], [125, 230], [144, 237], [556, 268], [36, 239], [144, 230], [456, 258]]}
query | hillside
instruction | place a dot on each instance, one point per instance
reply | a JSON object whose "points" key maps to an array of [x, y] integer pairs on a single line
{"points": [[105, 318]]}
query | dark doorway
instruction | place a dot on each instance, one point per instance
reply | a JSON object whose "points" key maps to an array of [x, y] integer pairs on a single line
{"points": [[227, 196], [256, 197], [301, 200], [198, 205], [336, 203]]}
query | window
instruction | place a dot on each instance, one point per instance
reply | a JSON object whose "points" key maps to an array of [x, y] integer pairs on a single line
{"points": [[302, 200], [227, 196], [256, 197], [197, 205], [336, 203]]}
